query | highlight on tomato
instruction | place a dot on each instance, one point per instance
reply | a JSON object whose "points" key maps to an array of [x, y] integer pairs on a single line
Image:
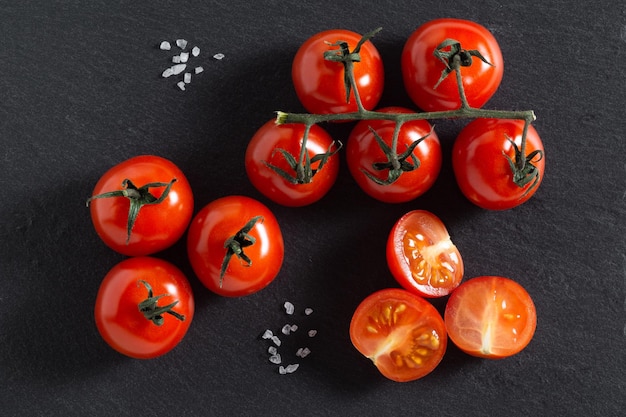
{"points": [[235, 246], [400, 332], [490, 166], [428, 69], [421, 255], [490, 317], [371, 157], [142, 205], [274, 167], [144, 307], [320, 83]]}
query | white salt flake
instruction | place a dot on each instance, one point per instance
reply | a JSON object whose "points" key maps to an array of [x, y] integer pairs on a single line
{"points": [[184, 56], [168, 72], [289, 308], [308, 311], [303, 352], [282, 370], [187, 77], [286, 329], [181, 43], [165, 46], [272, 350], [268, 334], [219, 56], [176, 59], [291, 368], [198, 70], [276, 340], [181, 85], [312, 333], [276, 359], [178, 68], [294, 327], [195, 51]]}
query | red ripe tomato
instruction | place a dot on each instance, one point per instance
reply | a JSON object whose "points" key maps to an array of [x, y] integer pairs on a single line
{"points": [[421, 256], [144, 307], [420, 168], [264, 157], [235, 246], [402, 333], [421, 70], [480, 160], [320, 83], [490, 317], [127, 211]]}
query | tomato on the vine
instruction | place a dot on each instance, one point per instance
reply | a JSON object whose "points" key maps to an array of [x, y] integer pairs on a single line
{"points": [[369, 156], [320, 83], [422, 70], [144, 307], [402, 333], [422, 257], [142, 205], [272, 172], [235, 246], [485, 155], [491, 317]]}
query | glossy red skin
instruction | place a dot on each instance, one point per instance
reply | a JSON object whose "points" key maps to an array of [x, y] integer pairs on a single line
{"points": [[362, 151], [490, 317], [443, 260], [416, 330], [481, 170], [222, 219], [263, 148], [319, 83], [421, 70], [117, 315], [158, 226]]}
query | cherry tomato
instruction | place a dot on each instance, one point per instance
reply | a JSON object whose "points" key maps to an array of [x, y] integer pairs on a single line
{"points": [[235, 246], [421, 70], [480, 160], [142, 182], [420, 167], [402, 333], [320, 83], [491, 317], [264, 157], [144, 307], [421, 256]]}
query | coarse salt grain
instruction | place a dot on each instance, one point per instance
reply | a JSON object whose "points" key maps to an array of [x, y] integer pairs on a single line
{"points": [[303, 352], [308, 311], [312, 333], [267, 334], [187, 77], [286, 329], [289, 308], [276, 340], [198, 70], [181, 85], [275, 359], [219, 56], [195, 51], [165, 46], [181, 43], [291, 368], [176, 59], [184, 56], [168, 73], [272, 350]]}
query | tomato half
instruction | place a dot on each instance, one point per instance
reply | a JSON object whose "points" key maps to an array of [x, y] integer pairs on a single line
{"points": [[235, 246], [421, 70], [421, 166], [264, 156], [402, 333], [421, 255], [490, 317], [158, 224], [148, 284], [481, 166], [319, 83]]}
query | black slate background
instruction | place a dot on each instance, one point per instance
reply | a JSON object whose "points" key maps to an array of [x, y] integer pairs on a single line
{"points": [[80, 90]]}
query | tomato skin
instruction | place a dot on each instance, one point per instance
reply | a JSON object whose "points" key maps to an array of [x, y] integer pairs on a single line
{"points": [[319, 83], [222, 219], [157, 226], [117, 315], [490, 317], [263, 147], [402, 333], [421, 256], [421, 70], [481, 170], [362, 151]]}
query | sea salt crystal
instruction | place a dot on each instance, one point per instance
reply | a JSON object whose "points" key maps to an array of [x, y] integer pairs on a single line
{"points": [[286, 329], [198, 70], [184, 56], [181, 43], [289, 308], [303, 352], [165, 46], [168, 72], [178, 68], [272, 350], [312, 333], [276, 340], [291, 368], [176, 59], [187, 78], [195, 51], [181, 85], [219, 56], [268, 334], [276, 359], [308, 311]]}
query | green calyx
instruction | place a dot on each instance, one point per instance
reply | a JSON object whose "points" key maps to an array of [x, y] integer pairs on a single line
{"points": [[454, 56], [138, 198], [235, 246], [523, 169], [151, 311]]}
